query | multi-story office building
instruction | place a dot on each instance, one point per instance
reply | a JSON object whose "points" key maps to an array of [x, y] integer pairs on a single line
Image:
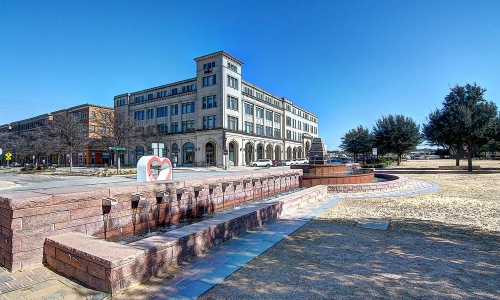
{"points": [[217, 118], [90, 116]]}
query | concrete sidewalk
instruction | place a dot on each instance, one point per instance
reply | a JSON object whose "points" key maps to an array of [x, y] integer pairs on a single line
{"points": [[197, 276]]}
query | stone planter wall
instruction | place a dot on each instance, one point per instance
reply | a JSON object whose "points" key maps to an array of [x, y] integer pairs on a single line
{"points": [[27, 218], [111, 267]]}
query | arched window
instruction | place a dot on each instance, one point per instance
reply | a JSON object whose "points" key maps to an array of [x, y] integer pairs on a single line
{"points": [[210, 154], [188, 151], [260, 151], [232, 154], [175, 153]]}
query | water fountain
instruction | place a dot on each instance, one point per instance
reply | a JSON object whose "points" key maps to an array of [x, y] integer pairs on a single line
{"points": [[318, 172]]}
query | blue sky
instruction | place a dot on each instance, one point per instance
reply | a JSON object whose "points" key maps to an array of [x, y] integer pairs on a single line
{"points": [[349, 62]]}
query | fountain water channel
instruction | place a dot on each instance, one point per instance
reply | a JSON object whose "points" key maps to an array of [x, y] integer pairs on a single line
{"points": [[177, 207]]}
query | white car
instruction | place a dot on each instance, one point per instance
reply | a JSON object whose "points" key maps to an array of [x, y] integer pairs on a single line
{"points": [[302, 161], [262, 163]]}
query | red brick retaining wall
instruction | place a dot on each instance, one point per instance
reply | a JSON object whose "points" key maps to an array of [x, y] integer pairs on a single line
{"points": [[111, 267], [27, 218], [312, 180]]}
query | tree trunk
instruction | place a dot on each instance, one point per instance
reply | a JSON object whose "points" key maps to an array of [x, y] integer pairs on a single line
{"points": [[399, 159], [469, 158], [457, 157], [71, 161]]}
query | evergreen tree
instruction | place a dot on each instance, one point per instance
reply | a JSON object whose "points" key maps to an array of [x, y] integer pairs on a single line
{"points": [[357, 141], [397, 134]]}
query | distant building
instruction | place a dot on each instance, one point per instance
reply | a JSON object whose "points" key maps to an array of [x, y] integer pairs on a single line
{"points": [[217, 118], [88, 113]]}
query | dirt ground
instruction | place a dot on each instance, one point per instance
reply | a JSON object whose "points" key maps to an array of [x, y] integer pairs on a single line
{"points": [[441, 245]]}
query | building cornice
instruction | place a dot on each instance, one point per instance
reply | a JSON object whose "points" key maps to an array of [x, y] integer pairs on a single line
{"points": [[219, 53]]}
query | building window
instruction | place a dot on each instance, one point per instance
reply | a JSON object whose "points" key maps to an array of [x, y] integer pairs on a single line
{"points": [[209, 80], [174, 91], [150, 113], [162, 111], [232, 82], [248, 90], [248, 127], [139, 115], [269, 115], [187, 125], [288, 121], [188, 88], [232, 67], [249, 109], [208, 67], [150, 96], [259, 111], [162, 129], [277, 133], [232, 102], [174, 110], [210, 101], [175, 127], [188, 107], [106, 131], [269, 131], [259, 129], [277, 118], [93, 129], [232, 123], [289, 134], [209, 122]]}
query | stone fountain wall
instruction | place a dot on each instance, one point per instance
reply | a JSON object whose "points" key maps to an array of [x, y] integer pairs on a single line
{"points": [[28, 218]]}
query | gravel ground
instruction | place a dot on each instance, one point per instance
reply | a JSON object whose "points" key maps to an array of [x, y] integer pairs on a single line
{"points": [[441, 245]]}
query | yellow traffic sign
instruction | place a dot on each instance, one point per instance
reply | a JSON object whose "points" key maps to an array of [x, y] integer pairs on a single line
{"points": [[8, 156]]}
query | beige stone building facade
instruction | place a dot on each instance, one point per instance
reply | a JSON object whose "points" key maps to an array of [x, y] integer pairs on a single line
{"points": [[217, 118]]}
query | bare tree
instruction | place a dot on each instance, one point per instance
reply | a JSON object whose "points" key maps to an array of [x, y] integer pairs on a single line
{"points": [[117, 129], [68, 131]]}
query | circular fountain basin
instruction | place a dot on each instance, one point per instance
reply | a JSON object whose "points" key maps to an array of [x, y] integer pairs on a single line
{"points": [[333, 174]]}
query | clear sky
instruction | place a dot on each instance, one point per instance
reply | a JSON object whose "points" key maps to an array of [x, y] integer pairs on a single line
{"points": [[349, 62]]}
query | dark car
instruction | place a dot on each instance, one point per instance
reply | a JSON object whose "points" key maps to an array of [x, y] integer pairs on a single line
{"points": [[279, 163]]}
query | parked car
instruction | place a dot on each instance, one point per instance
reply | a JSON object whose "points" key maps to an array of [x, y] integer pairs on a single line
{"points": [[302, 161], [262, 163], [15, 164], [335, 161], [279, 163], [289, 162]]}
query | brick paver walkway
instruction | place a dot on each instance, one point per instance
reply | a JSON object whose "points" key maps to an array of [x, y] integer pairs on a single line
{"points": [[197, 276]]}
